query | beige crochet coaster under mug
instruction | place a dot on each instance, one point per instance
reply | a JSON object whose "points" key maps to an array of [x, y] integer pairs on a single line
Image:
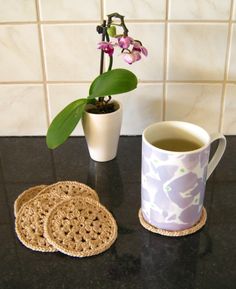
{"points": [[180, 233]]}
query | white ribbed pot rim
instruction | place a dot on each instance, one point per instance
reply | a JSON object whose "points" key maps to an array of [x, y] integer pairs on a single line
{"points": [[101, 114]]}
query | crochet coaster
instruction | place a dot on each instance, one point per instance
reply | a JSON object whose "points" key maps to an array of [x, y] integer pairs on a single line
{"points": [[30, 218], [71, 189], [26, 196], [29, 223], [181, 233], [80, 227]]}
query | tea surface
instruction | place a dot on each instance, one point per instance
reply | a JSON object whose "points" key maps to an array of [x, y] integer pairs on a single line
{"points": [[177, 145]]}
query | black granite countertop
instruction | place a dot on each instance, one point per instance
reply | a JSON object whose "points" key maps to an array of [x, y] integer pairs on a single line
{"points": [[138, 259]]}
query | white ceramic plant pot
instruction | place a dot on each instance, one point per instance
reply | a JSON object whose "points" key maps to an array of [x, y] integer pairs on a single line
{"points": [[102, 132]]}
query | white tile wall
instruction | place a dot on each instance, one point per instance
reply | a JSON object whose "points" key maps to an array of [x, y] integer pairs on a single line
{"points": [[70, 52], [19, 53], [22, 110], [73, 10], [141, 107], [234, 11], [149, 68], [61, 95], [188, 102], [197, 51], [230, 109], [190, 73], [17, 10], [232, 66], [200, 9], [137, 9], [145, 104]]}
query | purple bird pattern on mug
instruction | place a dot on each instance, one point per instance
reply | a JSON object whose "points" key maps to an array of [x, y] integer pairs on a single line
{"points": [[173, 187]]}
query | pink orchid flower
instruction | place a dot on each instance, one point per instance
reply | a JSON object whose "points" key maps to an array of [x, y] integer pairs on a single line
{"points": [[137, 46], [132, 57], [107, 47], [125, 41]]}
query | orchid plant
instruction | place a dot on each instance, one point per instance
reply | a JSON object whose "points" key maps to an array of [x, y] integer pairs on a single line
{"points": [[111, 82]]}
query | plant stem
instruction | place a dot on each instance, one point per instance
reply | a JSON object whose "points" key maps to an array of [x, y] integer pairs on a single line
{"points": [[102, 52], [104, 32], [106, 37], [111, 57], [110, 63]]}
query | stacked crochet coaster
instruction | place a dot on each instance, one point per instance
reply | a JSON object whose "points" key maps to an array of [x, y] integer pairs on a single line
{"points": [[65, 217]]}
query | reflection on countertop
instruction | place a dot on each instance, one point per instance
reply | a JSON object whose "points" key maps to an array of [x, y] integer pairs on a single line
{"points": [[138, 259]]}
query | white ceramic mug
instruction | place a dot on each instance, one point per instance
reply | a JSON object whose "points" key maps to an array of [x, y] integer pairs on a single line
{"points": [[173, 183]]}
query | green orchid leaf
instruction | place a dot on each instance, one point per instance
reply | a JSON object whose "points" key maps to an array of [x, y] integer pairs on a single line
{"points": [[112, 82], [64, 123]]}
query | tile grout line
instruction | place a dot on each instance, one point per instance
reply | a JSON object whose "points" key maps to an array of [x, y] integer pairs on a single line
{"points": [[105, 65], [25, 82], [20, 82], [166, 44], [132, 21], [175, 21], [226, 69], [188, 81], [8, 23], [43, 65], [49, 22], [102, 12]]}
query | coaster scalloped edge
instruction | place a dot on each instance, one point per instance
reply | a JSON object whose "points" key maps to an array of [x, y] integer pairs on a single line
{"points": [[50, 188], [44, 190], [49, 232], [26, 196], [20, 216]]}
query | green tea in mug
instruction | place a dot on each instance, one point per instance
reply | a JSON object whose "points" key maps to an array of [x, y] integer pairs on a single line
{"points": [[177, 144]]}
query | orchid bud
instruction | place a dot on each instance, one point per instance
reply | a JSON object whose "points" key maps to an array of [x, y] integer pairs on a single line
{"points": [[111, 31]]}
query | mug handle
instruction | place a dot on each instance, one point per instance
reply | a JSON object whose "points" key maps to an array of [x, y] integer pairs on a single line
{"points": [[218, 154]]}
